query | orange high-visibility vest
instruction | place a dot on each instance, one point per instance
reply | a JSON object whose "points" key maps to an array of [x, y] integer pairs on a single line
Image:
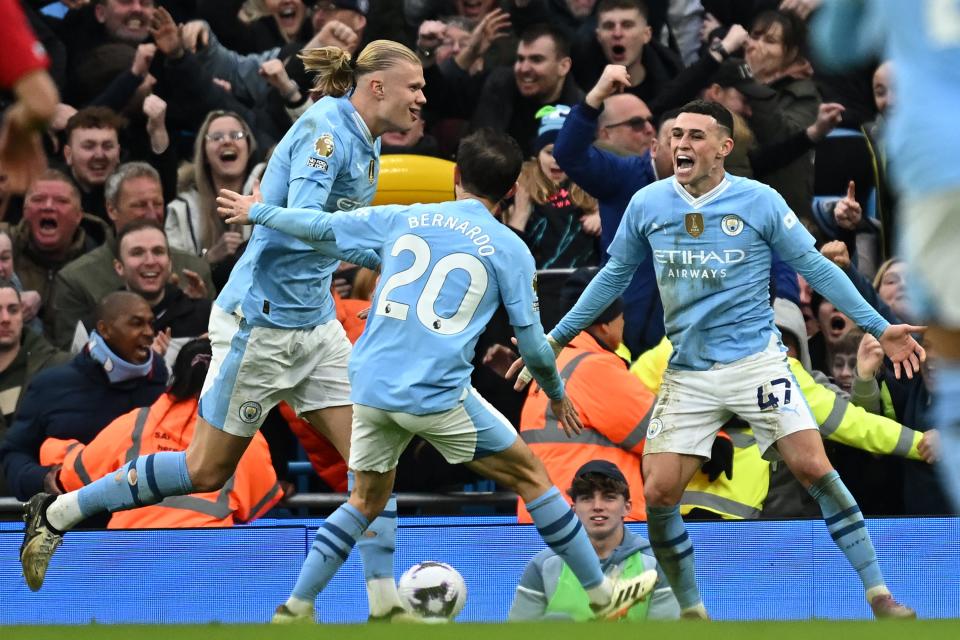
{"points": [[347, 310], [614, 407], [167, 425], [323, 456]]}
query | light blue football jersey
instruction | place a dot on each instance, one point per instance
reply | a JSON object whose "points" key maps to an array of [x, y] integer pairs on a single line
{"points": [[922, 37], [445, 269], [712, 260], [329, 161]]}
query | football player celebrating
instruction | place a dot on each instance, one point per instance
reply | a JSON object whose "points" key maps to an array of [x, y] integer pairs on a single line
{"points": [[711, 236], [273, 329], [445, 270]]}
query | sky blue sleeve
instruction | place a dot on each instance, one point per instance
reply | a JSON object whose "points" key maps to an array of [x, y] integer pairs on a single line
{"points": [[517, 276], [605, 287], [780, 227], [313, 227], [845, 33], [629, 245], [305, 224], [829, 280], [367, 227], [530, 600], [312, 173], [538, 356]]}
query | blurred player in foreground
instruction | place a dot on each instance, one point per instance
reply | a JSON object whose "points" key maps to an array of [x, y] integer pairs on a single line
{"points": [[923, 41]]}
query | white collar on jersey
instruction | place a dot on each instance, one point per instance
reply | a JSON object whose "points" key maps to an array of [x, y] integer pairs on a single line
{"points": [[706, 198], [362, 125]]}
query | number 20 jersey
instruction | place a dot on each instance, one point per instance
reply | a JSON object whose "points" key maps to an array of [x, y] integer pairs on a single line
{"points": [[445, 269]]}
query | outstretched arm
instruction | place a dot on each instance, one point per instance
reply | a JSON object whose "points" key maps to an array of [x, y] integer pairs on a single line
{"points": [[305, 224], [588, 166], [844, 33], [828, 279], [539, 358], [541, 361], [308, 225], [609, 283]]}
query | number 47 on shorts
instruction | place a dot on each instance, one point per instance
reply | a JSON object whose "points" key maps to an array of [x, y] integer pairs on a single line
{"points": [[771, 401]]}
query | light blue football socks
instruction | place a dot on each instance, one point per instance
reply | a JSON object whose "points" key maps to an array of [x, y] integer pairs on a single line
{"points": [[674, 551], [560, 528], [847, 527], [139, 483], [331, 548]]}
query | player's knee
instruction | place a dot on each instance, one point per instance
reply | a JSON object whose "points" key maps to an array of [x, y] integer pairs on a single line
{"points": [[658, 493]]}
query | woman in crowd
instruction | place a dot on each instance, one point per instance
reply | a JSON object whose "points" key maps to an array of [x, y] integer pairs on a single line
{"points": [[557, 219], [775, 54], [224, 158]]}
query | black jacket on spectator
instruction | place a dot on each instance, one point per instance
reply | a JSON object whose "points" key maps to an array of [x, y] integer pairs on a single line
{"points": [[259, 35], [922, 491], [185, 316], [191, 94], [502, 108], [74, 400], [661, 64]]}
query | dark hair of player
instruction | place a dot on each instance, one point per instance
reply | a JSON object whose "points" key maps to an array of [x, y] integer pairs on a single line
{"points": [[489, 163]]}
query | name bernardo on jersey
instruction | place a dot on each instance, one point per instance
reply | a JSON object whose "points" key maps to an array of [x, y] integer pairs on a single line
{"points": [[687, 263], [470, 230]]}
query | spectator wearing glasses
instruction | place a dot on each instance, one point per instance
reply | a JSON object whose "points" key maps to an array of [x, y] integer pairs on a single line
{"points": [[612, 178], [223, 158], [626, 125]]}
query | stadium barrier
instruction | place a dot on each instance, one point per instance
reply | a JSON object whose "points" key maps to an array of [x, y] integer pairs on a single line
{"points": [[757, 570], [451, 502]]}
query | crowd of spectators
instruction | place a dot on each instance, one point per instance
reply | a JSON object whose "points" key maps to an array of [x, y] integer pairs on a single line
{"points": [[165, 102]]}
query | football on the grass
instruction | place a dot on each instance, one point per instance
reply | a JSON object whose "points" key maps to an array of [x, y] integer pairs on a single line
{"points": [[434, 591]]}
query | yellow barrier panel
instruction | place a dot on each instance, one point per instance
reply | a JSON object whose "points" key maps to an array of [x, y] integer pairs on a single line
{"points": [[408, 179]]}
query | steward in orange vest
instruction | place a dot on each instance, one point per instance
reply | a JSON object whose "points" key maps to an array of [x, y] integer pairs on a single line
{"points": [[167, 425], [613, 405]]}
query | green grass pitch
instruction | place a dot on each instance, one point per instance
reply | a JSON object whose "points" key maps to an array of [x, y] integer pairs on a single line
{"points": [[807, 630]]}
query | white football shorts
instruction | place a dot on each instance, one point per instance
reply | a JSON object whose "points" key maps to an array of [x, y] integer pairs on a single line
{"points": [[471, 430], [760, 389], [929, 229], [254, 368]]}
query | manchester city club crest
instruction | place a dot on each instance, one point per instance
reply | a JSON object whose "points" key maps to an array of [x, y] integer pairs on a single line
{"points": [[250, 411], [324, 145], [693, 222], [731, 225], [654, 428]]}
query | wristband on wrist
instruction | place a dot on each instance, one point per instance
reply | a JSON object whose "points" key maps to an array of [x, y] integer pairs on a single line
{"points": [[718, 48]]}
